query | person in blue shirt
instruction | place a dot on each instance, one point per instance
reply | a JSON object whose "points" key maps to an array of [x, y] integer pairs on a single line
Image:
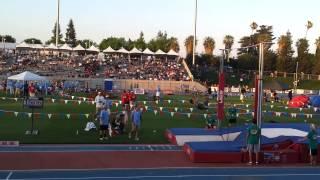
{"points": [[136, 117], [104, 124]]}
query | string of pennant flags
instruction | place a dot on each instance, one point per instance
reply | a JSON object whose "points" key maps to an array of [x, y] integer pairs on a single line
{"points": [[118, 102]]}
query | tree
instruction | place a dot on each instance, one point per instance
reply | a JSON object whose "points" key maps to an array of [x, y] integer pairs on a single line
{"points": [[209, 45], [33, 41], [228, 41], [174, 44], [140, 43], [285, 52], [86, 43], [53, 38], [253, 26], [71, 34], [316, 68], [8, 39], [308, 26], [129, 44], [304, 58], [113, 42], [188, 43]]}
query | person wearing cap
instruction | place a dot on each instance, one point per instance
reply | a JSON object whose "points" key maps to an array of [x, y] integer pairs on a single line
{"points": [[99, 100], [312, 137]]}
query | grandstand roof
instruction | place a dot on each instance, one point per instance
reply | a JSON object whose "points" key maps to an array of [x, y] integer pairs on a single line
{"points": [[148, 51], [109, 50]]}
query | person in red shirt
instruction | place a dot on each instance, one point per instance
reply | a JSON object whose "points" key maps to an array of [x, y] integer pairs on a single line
{"points": [[133, 96], [32, 90], [124, 98]]}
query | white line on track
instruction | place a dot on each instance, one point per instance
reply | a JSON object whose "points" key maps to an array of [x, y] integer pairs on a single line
{"points": [[180, 176], [9, 175]]}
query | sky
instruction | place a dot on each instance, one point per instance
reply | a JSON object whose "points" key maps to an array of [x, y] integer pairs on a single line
{"points": [[97, 19]]}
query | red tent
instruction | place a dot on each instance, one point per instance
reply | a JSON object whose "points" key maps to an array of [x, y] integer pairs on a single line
{"points": [[299, 101]]}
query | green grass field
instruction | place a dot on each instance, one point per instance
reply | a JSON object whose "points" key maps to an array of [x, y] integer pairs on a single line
{"points": [[61, 129]]}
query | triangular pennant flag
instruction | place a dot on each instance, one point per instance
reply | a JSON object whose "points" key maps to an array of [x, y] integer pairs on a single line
{"points": [[278, 114], [309, 106], [205, 116], [84, 99], [16, 99], [87, 115], [169, 101], [160, 108], [146, 108], [315, 109], [66, 101], [252, 113], [92, 102], [72, 97], [157, 102], [68, 116], [272, 102], [248, 110], [176, 109], [79, 102], [131, 106], [286, 107], [247, 105], [49, 116], [53, 100], [271, 106], [183, 101], [172, 114], [155, 112], [29, 115], [294, 115], [300, 109], [191, 109], [189, 115], [16, 114], [117, 104], [144, 102], [237, 114]]}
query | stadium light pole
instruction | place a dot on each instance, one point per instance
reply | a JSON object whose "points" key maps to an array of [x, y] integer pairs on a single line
{"points": [[195, 32], [57, 25]]}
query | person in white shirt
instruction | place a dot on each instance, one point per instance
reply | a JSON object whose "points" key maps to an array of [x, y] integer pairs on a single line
{"points": [[99, 100]]}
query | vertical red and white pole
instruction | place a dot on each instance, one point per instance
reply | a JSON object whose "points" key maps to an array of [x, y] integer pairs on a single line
{"points": [[220, 105]]}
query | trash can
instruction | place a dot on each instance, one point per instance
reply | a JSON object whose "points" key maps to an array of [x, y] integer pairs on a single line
{"points": [[108, 84]]}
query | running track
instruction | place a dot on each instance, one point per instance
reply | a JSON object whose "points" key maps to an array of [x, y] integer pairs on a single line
{"points": [[222, 173], [59, 162]]}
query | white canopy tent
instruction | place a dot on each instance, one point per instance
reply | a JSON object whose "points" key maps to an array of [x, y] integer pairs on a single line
{"points": [[147, 51], [27, 76], [160, 52], [23, 45], [172, 53], [65, 47], [109, 50], [37, 46], [93, 49], [78, 48], [135, 51], [51, 46], [123, 51]]}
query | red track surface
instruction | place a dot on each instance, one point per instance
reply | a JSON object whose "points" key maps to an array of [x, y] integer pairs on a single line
{"points": [[92, 160]]}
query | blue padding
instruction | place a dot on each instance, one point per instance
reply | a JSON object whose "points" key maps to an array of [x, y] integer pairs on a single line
{"points": [[203, 131]]}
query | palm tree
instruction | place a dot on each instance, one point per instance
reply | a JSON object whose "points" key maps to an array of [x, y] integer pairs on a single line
{"points": [[209, 45], [317, 47], [174, 44], [228, 41], [188, 43], [253, 26], [309, 26]]}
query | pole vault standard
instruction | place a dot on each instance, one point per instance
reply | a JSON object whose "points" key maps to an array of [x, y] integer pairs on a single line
{"points": [[220, 104], [57, 25]]}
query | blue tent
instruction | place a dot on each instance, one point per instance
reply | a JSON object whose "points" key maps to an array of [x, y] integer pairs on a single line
{"points": [[315, 101]]}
